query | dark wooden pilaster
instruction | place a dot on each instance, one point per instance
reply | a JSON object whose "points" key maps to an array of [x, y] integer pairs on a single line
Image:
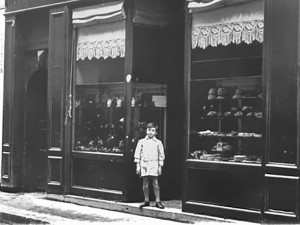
{"points": [[186, 112], [58, 81], [13, 115], [129, 7], [281, 70]]}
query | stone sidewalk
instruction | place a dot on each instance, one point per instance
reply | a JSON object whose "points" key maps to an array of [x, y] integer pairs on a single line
{"points": [[42, 208]]}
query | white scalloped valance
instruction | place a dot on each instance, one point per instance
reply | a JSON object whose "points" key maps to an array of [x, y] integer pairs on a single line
{"points": [[222, 24], [100, 30], [225, 34], [101, 41]]}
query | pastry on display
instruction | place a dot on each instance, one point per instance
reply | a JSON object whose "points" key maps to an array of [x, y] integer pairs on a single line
{"points": [[197, 154], [238, 94], [234, 133], [238, 114], [258, 115], [250, 114], [239, 158], [228, 114], [242, 134], [234, 109], [212, 113], [247, 109], [212, 94], [221, 147], [205, 133], [257, 135], [222, 93], [232, 125]]}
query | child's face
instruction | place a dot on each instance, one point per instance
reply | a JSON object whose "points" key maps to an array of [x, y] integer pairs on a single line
{"points": [[151, 132]]}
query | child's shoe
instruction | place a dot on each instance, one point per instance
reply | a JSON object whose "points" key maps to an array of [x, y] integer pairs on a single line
{"points": [[144, 204], [159, 205]]}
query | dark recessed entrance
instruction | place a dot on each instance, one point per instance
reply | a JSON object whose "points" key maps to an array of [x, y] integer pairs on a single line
{"points": [[35, 151]]}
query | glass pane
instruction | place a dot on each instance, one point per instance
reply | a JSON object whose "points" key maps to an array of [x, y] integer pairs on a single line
{"points": [[226, 120], [99, 118], [227, 61], [99, 105], [149, 105], [99, 71]]}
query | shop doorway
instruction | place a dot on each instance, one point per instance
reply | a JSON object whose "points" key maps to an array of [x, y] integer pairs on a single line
{"points": [[155, 62], [35, 150]]}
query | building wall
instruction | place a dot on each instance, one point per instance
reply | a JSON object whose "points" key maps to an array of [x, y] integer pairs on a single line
{"points": [[2, 30]]}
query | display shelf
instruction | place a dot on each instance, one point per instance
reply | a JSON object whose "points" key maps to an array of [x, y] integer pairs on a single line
{"points": [[226, 59], [229, 135], [111, 157], [229, 117], [225, 78]]}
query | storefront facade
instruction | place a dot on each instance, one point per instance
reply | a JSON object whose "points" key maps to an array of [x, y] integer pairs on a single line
{"points": [[242, 128], [82, 78]]}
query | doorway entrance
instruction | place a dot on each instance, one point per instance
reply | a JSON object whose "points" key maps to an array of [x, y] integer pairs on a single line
{"points": [[154, 61], [35, 151]]}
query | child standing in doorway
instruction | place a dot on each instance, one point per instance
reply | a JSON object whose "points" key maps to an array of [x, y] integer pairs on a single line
{"points": [[149, 157]]}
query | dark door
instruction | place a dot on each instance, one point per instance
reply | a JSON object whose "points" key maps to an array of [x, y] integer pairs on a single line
{"points": [[35, 153]]}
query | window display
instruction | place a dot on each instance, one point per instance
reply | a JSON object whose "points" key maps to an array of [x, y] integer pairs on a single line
{"points": [[99, 118], [226, 120], [100, 114], [225, 84]]}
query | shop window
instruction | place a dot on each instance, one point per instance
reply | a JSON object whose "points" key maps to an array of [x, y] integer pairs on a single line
{"points": [[226, 107], [99, 118], [99, 71], [225, 83], [99, 105], [99, 78]]}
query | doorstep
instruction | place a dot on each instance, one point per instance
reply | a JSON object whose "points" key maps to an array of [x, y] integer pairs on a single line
{"points": [[172, 209]]}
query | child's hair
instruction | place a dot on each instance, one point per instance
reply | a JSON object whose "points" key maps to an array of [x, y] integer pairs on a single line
{"points": [[152, 125]]}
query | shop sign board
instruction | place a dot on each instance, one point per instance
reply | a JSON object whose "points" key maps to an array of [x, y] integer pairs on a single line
{"points": [[15, 5], [160, 101]]}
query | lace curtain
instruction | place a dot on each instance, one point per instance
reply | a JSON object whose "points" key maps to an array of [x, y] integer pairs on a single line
{"points": [[101, 41], [225, 34], [223, 25], [100, 31]]}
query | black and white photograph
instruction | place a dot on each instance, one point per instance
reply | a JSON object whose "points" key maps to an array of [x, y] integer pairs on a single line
{"points": [[150, 111]]}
